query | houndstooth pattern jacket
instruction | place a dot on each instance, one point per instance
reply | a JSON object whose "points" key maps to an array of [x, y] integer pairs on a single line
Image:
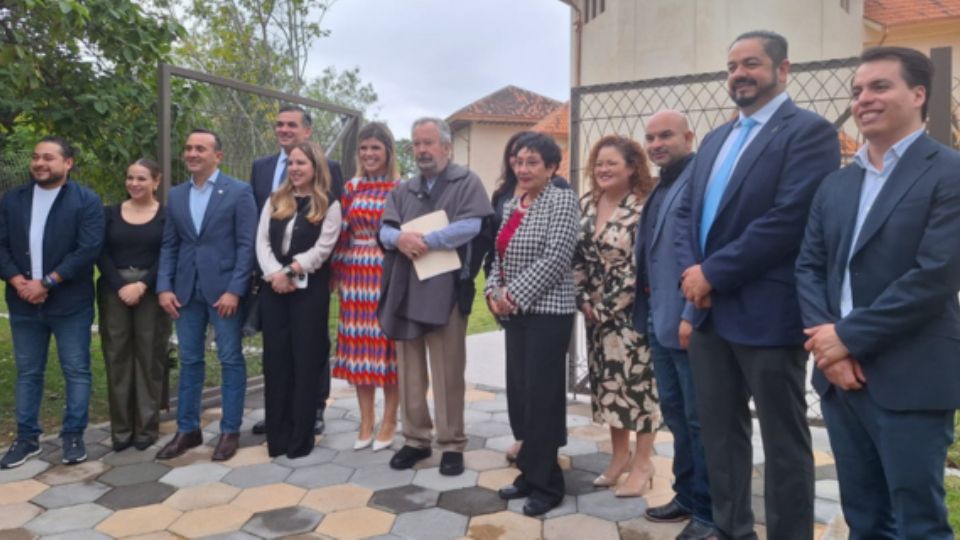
{"points": [[537, 267]]}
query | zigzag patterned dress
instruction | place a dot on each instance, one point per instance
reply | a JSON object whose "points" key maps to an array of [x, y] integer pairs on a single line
{"points": [[364, 355]]}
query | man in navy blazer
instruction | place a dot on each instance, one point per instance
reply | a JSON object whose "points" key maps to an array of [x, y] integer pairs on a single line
{"points": [[739, 232], [657, 311], [204, 270], [292, 127], [878, 276], [51, 231]]}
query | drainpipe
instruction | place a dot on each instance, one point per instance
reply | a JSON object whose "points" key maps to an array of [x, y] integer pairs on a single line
{"points": [[578, 40]]}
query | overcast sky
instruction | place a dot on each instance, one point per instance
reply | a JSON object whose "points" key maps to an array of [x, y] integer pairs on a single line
{"points": [[432, 57]]}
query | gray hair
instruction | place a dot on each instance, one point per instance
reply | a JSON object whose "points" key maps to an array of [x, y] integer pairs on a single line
{"points": [[442, 127]]}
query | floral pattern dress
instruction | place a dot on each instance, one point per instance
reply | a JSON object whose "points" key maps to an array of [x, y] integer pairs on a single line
{"points": [[623, 391]]}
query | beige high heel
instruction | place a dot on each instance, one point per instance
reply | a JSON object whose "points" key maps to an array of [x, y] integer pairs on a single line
{"points": [[645, 486], [604, 481]]}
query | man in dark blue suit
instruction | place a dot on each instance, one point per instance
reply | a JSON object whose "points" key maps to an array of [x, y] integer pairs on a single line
{"points": [[657, 311], [739, 232], [51, 230], [204, 270], [878, 276], [292, 127]]}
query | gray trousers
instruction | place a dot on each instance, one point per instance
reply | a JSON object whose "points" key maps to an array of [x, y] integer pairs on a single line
{"points": [[726, 375]]}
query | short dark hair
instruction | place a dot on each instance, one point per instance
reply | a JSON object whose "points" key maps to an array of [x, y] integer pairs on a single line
{"points": [[307, 120], [774, 44], [217, 145], [915, 68], [542, 144], [150, 165], [66, 149]]}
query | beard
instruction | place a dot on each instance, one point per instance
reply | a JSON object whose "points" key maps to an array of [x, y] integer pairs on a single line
{"points": [[746, 101], [426, 164], [54, 178]]}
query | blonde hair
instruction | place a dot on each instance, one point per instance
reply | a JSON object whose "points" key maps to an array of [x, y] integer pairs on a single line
{"points": [[284, 204], [380, 132]]}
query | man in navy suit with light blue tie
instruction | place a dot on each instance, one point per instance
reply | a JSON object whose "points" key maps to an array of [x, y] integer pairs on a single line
{"points": [[657, 311], [878, 276], [204, 270], [739, 232]]}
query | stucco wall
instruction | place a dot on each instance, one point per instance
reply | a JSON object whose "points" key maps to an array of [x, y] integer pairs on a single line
{"points": [[484, 152], [922, 37]]}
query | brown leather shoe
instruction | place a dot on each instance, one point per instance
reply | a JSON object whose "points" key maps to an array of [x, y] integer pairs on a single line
{"points": [[181, 443], [226, 446]]}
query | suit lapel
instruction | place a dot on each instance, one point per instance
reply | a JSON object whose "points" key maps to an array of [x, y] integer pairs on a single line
{"points": [[701, 176], [668, 198], [845, 204], [913, 164], [182, 201], [220, 189]]}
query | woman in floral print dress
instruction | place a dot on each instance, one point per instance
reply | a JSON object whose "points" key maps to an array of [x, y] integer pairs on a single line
{"points": [[623, 393]]}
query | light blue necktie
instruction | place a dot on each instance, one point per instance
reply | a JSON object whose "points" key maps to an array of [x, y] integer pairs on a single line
{"points": [[280, 174], [718, 184]]}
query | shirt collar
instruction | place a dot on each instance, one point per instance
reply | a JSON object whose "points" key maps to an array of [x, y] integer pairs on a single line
{"points": [[210, 181], [671, 172], [763, 114], [862, 158]]}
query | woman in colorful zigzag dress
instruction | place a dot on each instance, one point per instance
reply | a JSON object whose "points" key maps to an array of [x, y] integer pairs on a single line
{"points": [[365, 357]]}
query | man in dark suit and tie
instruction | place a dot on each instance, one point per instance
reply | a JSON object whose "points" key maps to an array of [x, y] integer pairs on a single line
{"points": [[292, 127], [739, 232], [204, 271], [878, 276], [657, 310]]}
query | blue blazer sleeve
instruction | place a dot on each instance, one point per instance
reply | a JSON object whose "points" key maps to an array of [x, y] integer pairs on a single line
{"points": [[169, 249], [245, 223], [90, 235], [812, 268]]}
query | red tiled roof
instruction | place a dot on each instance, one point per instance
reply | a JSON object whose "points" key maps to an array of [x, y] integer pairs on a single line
{"points": [[556, 123], [848, 145], [898, 12], [509, 104]]}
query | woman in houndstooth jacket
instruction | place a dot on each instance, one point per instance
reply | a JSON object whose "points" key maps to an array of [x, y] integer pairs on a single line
{"points": [[531, 289]]}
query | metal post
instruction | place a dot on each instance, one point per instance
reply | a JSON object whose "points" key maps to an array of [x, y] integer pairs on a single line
{"points": [[938, 106], [573, 150], [164, 133]]}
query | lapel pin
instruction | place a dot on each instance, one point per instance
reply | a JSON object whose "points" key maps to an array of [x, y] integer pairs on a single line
{"points": [[220, 191]]}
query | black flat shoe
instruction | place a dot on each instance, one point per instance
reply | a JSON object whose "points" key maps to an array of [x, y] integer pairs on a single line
{"points": [[143, 444], [668, 513], [260, 428], [698, 531], [536, 507], [451, 463], [408, 456], [511, 492], [120, 446]]}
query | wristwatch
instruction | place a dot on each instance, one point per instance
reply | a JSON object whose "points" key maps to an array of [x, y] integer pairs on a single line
{"points": [[48, 282], [287, 271]]}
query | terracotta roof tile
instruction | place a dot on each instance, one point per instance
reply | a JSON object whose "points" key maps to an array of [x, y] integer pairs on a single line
{"points": [[556, 123], [509, 104], [898, 12]]}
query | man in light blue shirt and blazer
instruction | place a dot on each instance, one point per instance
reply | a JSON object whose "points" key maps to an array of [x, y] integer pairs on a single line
{"points": [[878, 276], [739, 232], [204, 270]]}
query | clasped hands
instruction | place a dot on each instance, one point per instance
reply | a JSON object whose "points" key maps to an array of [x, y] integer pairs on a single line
{"points": [[412, 245], [499, 302], [29, 290], [833, 358], [696, 289], [281, 283]]}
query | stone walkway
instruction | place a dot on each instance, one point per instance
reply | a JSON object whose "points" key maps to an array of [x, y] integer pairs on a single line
{"points": [[338, 493]]}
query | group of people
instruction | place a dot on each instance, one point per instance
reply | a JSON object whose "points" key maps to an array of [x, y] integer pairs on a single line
{"points": [[701, 291]]}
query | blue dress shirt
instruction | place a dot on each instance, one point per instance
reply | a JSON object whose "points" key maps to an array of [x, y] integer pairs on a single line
{"points": [[200, 198]]}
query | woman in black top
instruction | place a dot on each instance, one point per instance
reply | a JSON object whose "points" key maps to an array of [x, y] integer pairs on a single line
{"points": [[298, 229], [134, 331]]}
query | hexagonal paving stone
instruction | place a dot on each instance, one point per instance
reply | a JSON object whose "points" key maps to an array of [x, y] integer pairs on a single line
{"points": [[430, 524], [488, 429], [320, 475], [136, 521], [500, 444], [497, 478], [472, 501], [473, 395], [317, 456], [576, 447], [356, 523], [251, 455], [575, 420], [21, 491], [127, 475], [26, 471], [195, 475], [195, 456], [203, 496], [432, 479], [79, 535], [269, 497], [506, 526], [333, 498], [67, 474], [17, 514], [256, 475], [71, 494], [283, 522], [635, 528], [404, 499], [362, 458], [338, 441], [81, 516], [825, 510], [233, 535], [606, 505], [595, 463], [94, 453], [471, 416], [130, 456], [136, 495], [210, 521], [579, 526], [475, 442], [382, 477], [484, 460], [579, 482], [491, 406], [340, 425], [567, 506]]}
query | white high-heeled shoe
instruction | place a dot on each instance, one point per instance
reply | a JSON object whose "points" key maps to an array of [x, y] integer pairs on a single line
{"points": [[360, 444], [379, 445]]}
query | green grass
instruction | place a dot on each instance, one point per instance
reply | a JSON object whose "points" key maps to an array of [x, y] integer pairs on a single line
{"points": [[953, 502]]}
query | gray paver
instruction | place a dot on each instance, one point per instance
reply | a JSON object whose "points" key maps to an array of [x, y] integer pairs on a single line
{"points": [[430, 524], [500, 444], [362, 459], [131, 456], [404, 499], [340, 425], [606, 505], [257, 475], [825, 510], [29, 469], [568, 506], [577, 447], [136, 495], [828, 489], [339, 441], [432, 479], [283, 522], [664, 449], [70, 518], [490, 405], [579, 482], [333, 413], [94, 451], [575, 420], [316, 476], [316, 457], [472, 501], [471, 416], [475, 443], [232, 535], [594, 463], [71, 494], [127, 475], [382, 477], [196, 474], [488, 429], [78, 535]]}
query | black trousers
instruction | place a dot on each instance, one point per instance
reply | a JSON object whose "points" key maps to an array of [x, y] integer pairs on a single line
{"points": [[726, 375], [295, 355], [537, 398]]}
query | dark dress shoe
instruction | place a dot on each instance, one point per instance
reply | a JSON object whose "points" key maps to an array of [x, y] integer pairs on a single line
{"points": [[181, 443], [512, 491], [536, 507], [408, 456], [260, 428], [120, 446], [451, 463], [226, 447], [143, 444], [318, 426], [668, 513], [696, 530]]}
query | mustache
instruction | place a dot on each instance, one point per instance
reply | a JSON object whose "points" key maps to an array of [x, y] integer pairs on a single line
{"points": [[743, 80]]}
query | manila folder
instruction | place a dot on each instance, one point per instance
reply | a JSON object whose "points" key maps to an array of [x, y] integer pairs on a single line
{"points": [[433, 262]]}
